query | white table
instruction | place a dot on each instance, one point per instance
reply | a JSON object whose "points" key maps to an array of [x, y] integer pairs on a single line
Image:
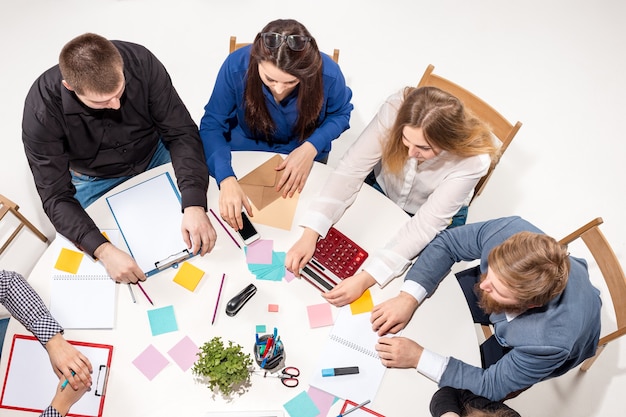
{"points": [[442, 324]]}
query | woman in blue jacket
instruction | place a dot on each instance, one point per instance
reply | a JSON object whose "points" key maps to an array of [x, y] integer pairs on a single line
{"points": [[279, 94]]}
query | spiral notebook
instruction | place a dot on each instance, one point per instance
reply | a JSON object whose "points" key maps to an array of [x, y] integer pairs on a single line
{"points": [[350, 343], [83, 301]]}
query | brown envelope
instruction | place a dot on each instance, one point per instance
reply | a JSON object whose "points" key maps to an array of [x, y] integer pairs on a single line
{"points": [[259, 185]]}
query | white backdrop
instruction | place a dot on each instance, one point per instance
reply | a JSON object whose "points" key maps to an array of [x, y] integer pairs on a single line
{"points": [[556, 66]]}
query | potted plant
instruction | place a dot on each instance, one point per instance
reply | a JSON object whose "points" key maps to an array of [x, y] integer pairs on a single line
{"points": [[224, 368]]}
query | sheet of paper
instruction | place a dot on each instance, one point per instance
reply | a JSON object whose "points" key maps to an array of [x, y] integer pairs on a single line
{"points": [[149, 218], [30, 383]]}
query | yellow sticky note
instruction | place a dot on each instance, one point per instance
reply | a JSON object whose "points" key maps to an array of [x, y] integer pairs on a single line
{"points": [[69, 260], [188, 276], [363, 304]]}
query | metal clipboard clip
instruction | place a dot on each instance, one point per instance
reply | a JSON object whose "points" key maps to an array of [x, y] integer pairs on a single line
{"points": [[101, 381], [172, 260]]}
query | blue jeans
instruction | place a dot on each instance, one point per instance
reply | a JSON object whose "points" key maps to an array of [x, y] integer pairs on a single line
{"points": [[458, 219], [3, 330], [89, 189]]}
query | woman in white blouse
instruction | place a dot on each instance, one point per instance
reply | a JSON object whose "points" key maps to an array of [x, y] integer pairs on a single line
{"points": [[426, 153]]}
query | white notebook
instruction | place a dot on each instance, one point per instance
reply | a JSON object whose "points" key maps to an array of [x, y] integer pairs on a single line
{"points": [[350, 343], [83, 301]]}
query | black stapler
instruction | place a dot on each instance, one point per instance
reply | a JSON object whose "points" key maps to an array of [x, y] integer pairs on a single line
{"points": [[234, 305]]}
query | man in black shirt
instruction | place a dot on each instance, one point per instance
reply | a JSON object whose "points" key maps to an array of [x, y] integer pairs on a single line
{"points": [[108, 112]]}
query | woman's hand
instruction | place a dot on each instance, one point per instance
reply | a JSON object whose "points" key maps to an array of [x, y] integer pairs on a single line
{"points": [[349, 289], [301, 252], [296, 169]]}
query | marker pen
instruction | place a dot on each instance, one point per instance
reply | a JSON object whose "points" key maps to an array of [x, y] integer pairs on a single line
{"points": [[348, 370]]}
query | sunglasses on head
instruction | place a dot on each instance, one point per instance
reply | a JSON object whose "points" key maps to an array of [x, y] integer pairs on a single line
{"points": [[274, 40]]}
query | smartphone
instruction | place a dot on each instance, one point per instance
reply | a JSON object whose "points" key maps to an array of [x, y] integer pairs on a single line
{"points": [[249, 234]]}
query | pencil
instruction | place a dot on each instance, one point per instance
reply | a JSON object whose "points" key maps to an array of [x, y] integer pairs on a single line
{"points": [[144, 292], [224, 227], [219, 295]]}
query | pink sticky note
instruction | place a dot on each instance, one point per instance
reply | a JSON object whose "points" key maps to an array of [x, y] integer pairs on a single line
{"points": [[320, 315], [150, 362], [289, 276], [260, 252], [184, 353], [272, 308], [322, 399]]}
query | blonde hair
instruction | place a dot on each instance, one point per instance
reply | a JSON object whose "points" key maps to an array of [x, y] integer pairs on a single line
{"points": [[532, 265], [445, 123]]}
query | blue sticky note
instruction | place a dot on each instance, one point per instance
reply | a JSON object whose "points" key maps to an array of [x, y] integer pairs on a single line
{"points": [[162, 320], [260, 328], [301, 405]]}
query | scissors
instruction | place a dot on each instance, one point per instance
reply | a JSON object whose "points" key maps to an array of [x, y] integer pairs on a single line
{"points": [[288, 376]]}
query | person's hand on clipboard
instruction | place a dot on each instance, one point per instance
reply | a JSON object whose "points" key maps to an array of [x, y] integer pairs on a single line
{"points": [[68, 363], [198, 232], [65, 398], [119, 265]]}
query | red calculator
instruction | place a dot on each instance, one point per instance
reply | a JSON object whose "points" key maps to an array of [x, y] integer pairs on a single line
{"points": [[336, 257]]}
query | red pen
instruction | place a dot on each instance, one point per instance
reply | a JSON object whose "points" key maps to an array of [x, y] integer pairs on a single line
{"points": [[268, 346]]}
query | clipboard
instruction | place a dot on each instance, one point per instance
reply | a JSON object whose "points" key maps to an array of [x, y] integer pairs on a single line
{"points": [[30, 382], [149, 216]]}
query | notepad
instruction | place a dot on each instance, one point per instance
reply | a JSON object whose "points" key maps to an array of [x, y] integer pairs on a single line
{"points": [[149, 217], [350, 343], [30, 382], [83, 301]]}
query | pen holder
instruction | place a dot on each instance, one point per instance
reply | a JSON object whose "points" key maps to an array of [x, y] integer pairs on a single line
{"points": [[272, 358]]}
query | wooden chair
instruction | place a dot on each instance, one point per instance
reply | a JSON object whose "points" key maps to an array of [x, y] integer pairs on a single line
{"points": [[8, 206], [500, 127], [234, 46], [612, 273]]}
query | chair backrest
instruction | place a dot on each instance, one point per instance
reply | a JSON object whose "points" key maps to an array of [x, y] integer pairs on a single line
{"points": [[8, 206], [500, 127], [612, 273], [607, 262], [233, 46]]}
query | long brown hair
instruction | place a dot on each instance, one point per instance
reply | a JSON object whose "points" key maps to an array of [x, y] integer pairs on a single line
{"points": [[305, 65], [445, 123]]}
